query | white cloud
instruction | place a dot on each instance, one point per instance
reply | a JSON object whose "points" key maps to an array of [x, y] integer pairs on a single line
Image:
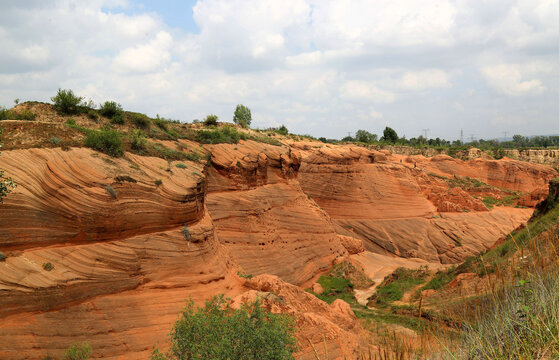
{"points": [[362, 90], [508, 79], [317, 65], [425, 79], [147, 57]]}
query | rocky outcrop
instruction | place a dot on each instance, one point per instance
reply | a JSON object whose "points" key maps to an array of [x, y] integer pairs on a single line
{"points": [[539, 156], [332, 326]]}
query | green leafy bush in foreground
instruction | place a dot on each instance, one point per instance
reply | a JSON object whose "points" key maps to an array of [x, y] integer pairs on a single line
{"points": [[219, 332], [105, 140]]}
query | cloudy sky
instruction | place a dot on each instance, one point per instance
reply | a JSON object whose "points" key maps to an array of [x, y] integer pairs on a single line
{"points": [[321, 67]]}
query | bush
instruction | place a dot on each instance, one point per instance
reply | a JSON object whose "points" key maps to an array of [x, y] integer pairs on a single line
{"points": [[78, 352], [66, 102], [111, 191], [211, 120], [92, 114], [105, 140], [242, 116], [158, 182], [181, 166], [2, 257], [110, 109], [137, 140], [23, 114], [219, 332], [225, 134], [118, 119], [282, 130], [141, 121], [48, 266], [161, 123], [5, 114]]}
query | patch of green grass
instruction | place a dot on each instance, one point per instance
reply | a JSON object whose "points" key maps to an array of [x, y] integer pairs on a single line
{"points": [[2, 256], [181, 166], [48, 266], [225, 134], [396, 284], [244, 276], [440, 280]]}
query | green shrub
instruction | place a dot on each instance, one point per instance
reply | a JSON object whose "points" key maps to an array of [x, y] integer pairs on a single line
{"points": [[193, 156], [138, 141], [219, 332], [158, 182], [55, 140], [48, 266], [5, 114], [23, 114], [211, 120], [2, 257], [66, 102], [141, 120], [225, 134], [161, 123], [71, 122], [181, 166], [118, 119], [92, 114], [78, 352], [282, 130], [242, 116], [110, 108], [105, 140]]}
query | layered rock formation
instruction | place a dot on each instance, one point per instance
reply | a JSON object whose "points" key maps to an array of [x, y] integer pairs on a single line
{"points": [[129, 239]]}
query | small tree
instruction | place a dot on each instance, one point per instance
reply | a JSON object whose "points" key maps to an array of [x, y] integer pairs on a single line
{"points": [[242, 116], [390, 135], [66, 102], [219, 332]]}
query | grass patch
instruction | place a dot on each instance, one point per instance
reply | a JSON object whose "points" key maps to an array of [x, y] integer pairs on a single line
{"points": [[48, 266], [396, 284]]}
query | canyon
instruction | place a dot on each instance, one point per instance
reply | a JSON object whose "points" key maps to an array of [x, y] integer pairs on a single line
{"points": [[131, 238]]}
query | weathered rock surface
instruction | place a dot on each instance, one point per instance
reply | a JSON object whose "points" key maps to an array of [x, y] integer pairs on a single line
{"points": [[320, 324], [131, 238]]}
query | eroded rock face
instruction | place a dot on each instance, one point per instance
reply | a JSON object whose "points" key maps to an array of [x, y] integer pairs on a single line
{"points": [[320, 324], [131, 238]]}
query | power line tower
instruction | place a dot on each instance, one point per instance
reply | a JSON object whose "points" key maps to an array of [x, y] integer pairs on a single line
{"points": [[425, 132], [505, 133], [461, 136], [472, 137]]}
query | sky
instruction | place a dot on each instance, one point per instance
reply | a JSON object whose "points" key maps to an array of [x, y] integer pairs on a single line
{"points": [[320, 67]]}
